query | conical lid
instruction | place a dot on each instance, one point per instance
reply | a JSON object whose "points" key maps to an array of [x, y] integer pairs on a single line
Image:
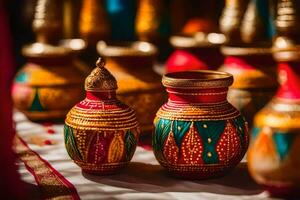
{"points": [[100, 79]]}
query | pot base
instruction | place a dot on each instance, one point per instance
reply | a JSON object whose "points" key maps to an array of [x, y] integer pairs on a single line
{"points": [[286, 191], [101, 169], [45, 115], [197, 172]]}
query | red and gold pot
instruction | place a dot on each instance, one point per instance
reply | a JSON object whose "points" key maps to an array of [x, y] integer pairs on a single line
{"points": [[101, 133], [198, 134]]}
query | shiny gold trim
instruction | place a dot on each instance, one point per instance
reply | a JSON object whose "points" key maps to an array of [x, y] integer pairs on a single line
{"points": [[201, 79], [101, 119], [198, 94], [77, 45], [136, 48], [287, 55], [101, 167], [241, 51], [41, 50], [197, 40], [194, 112], [280, 115]]}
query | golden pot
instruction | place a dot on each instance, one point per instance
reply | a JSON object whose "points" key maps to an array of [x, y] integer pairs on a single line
{"points": [[139, 86], [49, 84]]}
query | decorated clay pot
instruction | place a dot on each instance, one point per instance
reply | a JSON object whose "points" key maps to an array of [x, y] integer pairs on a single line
{"points": [[139, 86], [273, 158], [47, 86], [198, 134], [195, 52], [101, 132]]}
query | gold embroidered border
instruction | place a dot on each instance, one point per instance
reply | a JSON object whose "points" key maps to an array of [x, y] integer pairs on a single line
{"points": [[51, 183]]}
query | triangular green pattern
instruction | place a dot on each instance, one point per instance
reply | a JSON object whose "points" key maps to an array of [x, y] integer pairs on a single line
{"points": [[130, 144], [36, 104], [22, 77], [212, 130], [162, 130], [179, 129], [255, 131], [283, 143], [70, 144], [239, 123]]}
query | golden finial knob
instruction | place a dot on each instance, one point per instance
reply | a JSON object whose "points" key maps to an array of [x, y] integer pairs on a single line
{"points": [[100, 62], [100, 79]]}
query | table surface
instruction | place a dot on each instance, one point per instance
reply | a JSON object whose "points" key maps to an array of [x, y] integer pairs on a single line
{"points": [[144, 178]]}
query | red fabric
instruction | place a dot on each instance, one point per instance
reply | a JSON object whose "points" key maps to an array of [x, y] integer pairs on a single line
{"points": [[10, 185], [289, 78]]}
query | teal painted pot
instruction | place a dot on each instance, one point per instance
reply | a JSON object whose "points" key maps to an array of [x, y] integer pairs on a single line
{"points": [[198, 134]]}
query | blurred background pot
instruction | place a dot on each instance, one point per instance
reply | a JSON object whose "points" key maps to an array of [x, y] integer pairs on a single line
{"points": [[49, 84], [195, 52], [249, 29], [255, 83], [139, 86], [273, 157]]}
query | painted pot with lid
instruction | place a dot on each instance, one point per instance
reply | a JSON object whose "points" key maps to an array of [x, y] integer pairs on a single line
{"points": [[198, 134], [101, 132]]}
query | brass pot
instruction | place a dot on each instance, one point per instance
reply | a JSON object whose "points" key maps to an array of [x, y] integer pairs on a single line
{"points": [[139, 86], [49, 84]]}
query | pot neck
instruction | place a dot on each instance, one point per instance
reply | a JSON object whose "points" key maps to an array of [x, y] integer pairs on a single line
{"points": [[198, 96], [289, 79], [101, 96]]}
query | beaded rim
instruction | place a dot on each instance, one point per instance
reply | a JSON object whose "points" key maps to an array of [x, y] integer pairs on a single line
{"points": [[197, 79]]}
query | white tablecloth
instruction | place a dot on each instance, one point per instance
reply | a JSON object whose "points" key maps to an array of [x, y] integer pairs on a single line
{"points": [[144, 178]]}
